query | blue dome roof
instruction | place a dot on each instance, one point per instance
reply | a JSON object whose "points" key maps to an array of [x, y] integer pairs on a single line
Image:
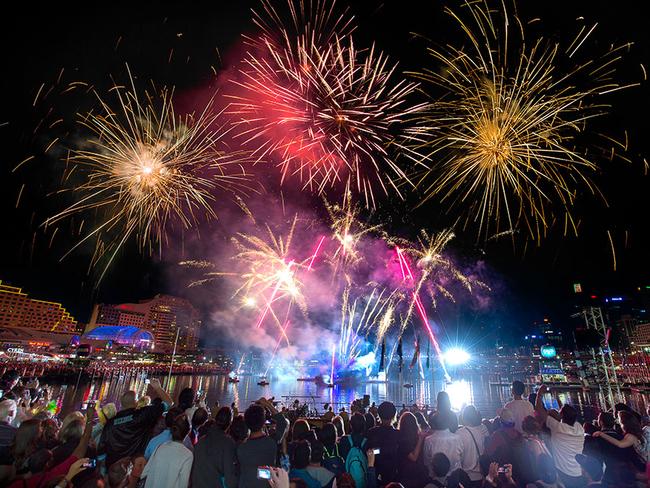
{"points": [[125, 335]]}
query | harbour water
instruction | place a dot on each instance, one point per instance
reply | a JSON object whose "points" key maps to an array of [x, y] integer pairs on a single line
{"points": [[486, 392]]}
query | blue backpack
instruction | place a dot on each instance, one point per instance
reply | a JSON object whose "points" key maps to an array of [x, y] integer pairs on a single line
{"points": [[333, 462], [356, 463]]}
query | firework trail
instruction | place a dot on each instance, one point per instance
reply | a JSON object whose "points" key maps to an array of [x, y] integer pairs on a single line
{"points": [[145, 170], [329, 112], [347, 231], [271, 274], [503, 138], [359, 320]]}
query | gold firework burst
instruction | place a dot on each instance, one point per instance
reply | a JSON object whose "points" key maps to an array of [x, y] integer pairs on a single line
{"points": [[145, 169], [501, 143]]}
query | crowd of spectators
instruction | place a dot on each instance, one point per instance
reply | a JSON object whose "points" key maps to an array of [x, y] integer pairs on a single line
{"points": [[160, 442]]}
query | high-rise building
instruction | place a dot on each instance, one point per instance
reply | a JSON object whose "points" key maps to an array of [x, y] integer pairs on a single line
{"points": [[18, 310], [163, 315]]}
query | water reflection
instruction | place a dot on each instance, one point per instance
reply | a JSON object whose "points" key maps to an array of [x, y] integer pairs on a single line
{"points": [[480, 390]]}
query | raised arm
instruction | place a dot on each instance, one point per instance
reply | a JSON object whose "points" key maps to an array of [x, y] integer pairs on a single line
{"points": [[80, 450], [160, 392], [628, 441]]}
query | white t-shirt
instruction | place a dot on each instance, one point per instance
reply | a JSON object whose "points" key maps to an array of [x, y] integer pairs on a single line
{"points": [[566, 442], [520, 410], [445, 442], [169, 467], [469, 457]]}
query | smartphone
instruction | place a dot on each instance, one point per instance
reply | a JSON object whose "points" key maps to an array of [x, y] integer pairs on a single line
{"points": [[376, 451], [501, 470], [263, 474], [90, 464]]}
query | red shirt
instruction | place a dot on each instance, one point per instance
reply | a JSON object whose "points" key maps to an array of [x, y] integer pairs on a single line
{"points": [[40, 479]]}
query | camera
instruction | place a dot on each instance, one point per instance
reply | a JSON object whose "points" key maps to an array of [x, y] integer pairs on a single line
{"points": [[376, 451], [263, 473], [92, 463]]}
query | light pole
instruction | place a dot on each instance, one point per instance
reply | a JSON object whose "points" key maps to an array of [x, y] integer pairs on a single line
{"points": [[171, 364]]}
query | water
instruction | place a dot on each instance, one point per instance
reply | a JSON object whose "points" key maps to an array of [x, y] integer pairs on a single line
{"points": [[481, 390]]}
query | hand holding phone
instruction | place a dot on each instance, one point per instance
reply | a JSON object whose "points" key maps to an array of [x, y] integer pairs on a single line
{"points": [[376, 451], [147, 381], [263, 473], [90, 464]]}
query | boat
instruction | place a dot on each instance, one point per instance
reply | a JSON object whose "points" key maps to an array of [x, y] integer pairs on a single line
{"points": [[305, 379], [263, 383], [234, 379], [408, 385]]}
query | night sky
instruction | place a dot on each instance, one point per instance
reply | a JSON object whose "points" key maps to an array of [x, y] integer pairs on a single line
{"points": [[96, 40]]}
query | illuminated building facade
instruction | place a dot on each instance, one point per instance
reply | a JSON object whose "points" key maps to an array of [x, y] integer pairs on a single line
{"points": [[163, 316], [18, 310]]}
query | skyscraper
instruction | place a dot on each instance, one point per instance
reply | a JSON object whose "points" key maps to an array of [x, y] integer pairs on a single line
{"points": [[18, 310], [163, 315]]}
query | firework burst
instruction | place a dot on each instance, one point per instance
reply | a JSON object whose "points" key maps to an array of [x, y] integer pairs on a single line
{"points": [[145, 169], [330, 113], [502, 141], [347, 231]]}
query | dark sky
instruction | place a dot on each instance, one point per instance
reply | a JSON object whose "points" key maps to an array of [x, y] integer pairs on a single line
{"points": [[96, 40]]}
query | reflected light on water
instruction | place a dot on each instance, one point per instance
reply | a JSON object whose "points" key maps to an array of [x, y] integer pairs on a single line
{"points": [[460, 394]]}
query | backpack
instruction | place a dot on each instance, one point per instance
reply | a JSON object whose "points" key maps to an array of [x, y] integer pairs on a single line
{"points": [[356, 463], [333, 462]]}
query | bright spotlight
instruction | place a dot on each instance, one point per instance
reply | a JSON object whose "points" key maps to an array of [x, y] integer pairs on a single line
{"points": [[460, 394], [456, 356]]}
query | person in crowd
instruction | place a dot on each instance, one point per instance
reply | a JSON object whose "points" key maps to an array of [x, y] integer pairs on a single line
{"points": [[332, 460], [238, 430], [386, 438], [215, 455], [500, 476], [547, 476], [439, 469], [125, 472], [592, 470], [371, 421], [260, 449], [7, 431], [165, 435], [410, 470], [171, 463], [50, 436], [104, 414], [328, 415], [128, 433], [443, 408], [506, 443], [143, 401], [300, 457], [324, 476], [199, 418], [70, 433], [373, 409], [531, 433], [422, 421], [339, 423], [356, 437], [52, 472], [519, 406], [472, 436], [567, 439], [632, 443], [444, 441], [300, 430], [615, 459]]}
